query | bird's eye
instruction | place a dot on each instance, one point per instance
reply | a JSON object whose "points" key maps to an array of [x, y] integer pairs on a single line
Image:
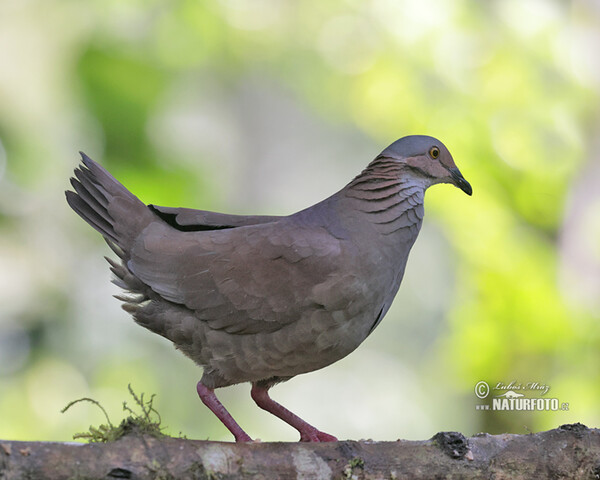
{"points": [[434, 152]]}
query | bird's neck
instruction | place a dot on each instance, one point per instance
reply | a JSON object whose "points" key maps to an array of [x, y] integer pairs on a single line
{"points": [[388, 197]]}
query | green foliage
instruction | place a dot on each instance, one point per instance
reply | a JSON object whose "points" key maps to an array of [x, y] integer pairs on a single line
{"points": [[121, 90]]}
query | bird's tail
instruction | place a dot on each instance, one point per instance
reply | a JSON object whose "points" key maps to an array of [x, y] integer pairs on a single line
{"points": [[104, 203]]}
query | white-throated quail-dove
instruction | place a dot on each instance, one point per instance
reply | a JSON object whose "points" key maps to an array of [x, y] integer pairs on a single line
{"points": [[262, 299]]}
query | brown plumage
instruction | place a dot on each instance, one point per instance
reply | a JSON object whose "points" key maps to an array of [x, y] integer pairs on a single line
{"points": [[261, 299]]}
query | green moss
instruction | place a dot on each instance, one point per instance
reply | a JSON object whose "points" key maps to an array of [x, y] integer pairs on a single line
{"points": [[353, 464], [147, 422]]}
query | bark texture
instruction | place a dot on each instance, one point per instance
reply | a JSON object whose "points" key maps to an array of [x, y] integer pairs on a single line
{"points": [[570, 451]]}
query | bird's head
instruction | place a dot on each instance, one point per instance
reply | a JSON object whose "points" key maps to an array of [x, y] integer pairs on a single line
{"points": [[429, 159]]}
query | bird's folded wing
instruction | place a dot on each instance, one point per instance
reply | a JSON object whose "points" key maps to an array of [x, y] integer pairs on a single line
{"points": [[249, 279], [189, 219]]}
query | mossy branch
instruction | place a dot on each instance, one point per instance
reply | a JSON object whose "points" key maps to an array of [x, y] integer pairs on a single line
{"points": [[570, 451]]}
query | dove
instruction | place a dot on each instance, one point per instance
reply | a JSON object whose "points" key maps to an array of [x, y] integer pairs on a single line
{"points": [[262, 299]]}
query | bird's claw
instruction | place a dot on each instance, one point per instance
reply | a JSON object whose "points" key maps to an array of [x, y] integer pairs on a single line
{"points": [[316, 436]]}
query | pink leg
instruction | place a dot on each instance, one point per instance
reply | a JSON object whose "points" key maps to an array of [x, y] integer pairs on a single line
{"points": [[208, 397], [308, 433]]}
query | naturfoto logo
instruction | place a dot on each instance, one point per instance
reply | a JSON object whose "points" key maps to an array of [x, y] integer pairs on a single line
{"points": [[517, 396]]}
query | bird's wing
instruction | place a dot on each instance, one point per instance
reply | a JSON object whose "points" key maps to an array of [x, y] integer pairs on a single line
{"points": [[191, 220], [250, 279]]}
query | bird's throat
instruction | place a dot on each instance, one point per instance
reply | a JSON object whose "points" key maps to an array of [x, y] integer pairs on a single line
{"points": [[389, 204]]}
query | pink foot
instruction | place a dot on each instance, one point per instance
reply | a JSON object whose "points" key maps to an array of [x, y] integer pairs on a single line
{"points": [[316, 436], [308, 433]]}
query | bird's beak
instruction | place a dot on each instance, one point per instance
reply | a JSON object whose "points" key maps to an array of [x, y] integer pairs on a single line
{"points": [[460, 181]]}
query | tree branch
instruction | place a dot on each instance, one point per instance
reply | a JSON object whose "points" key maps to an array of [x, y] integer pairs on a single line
{"points": [[570, 451]]}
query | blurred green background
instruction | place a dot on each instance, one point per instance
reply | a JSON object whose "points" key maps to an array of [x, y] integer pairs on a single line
{"points": [[268, 106]]}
